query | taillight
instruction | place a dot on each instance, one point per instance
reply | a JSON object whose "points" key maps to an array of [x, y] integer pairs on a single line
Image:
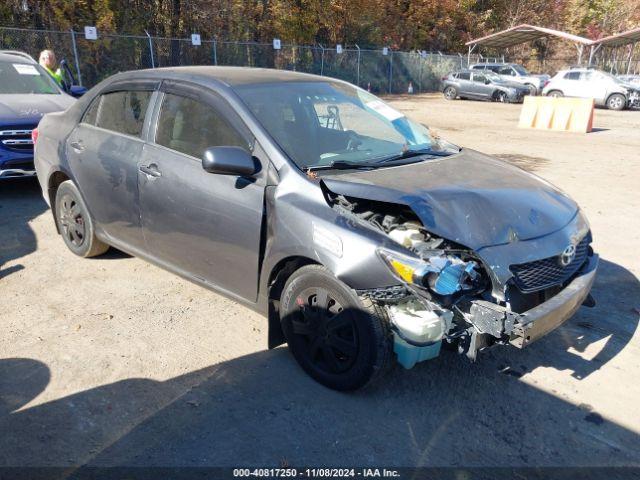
{"points": [[546, 82], [34, 135]]}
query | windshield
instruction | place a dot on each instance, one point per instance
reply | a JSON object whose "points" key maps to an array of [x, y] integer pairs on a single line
{"points": [[520, 69], [25, 78], [325, 123]]}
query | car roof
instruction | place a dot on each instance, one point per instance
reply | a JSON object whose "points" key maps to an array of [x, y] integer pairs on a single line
{"points": [[231, 76], [15, 56]]}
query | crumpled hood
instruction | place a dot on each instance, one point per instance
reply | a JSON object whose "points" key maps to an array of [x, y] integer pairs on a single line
{"points": [[16, 109], [468, 198]]}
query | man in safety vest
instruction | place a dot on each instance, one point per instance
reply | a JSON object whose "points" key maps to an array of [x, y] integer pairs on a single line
{"points": [[48, 62]]}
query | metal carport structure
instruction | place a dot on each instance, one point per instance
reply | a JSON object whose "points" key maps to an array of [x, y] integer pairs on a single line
{"points": [[630, 38], [525, 33]]}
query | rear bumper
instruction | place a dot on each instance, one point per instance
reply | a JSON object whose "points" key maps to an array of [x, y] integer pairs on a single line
{"points": [[540, 320]]}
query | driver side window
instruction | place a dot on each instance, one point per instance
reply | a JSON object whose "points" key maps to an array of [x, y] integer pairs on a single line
{"points": [[189, 126], [479, 78]]}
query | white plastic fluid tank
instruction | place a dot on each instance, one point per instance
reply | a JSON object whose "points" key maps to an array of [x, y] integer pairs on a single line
{"points": [[418, 324]]}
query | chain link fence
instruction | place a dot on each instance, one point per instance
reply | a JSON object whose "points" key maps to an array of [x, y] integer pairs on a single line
{"points": [[94, 60]]}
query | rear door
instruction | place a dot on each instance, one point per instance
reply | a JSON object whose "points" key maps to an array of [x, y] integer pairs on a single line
{"points": [[103, 152], [570, 84], [464, 80], [202, 225]]}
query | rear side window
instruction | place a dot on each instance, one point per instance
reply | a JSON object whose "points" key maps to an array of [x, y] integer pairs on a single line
{"points": [[464, 76], [190, 127], [572, 75], [121, 112]]}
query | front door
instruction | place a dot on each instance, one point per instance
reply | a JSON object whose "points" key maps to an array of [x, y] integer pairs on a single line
{"points": [[202, 225], [480, 87], [103, 152]]}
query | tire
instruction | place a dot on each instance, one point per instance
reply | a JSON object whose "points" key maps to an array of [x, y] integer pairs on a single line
{"points": [[338, 338], [555, 94], [500, 96], [75, 224], [533, 91], [616, 102], [450, 93]]}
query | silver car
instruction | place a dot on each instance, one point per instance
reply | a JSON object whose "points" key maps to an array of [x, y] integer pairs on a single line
{"points": [[606, 90], [482, 86], [515, 73], [359, 234]]}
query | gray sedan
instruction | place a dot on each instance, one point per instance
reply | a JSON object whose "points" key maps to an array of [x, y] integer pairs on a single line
{"points": [[482, 85], [362, 237]]}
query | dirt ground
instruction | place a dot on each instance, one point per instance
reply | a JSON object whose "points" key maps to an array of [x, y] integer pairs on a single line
{"points": [[112, 361]]}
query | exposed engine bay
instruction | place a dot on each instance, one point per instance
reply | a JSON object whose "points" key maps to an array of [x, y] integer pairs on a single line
{"points": [[447, 295]]}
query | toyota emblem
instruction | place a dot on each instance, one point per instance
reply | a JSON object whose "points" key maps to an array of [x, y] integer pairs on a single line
{"points": [[567, 255]]}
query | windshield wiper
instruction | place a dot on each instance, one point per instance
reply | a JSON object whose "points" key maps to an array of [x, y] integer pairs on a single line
{"points": [[342, 165], [414, 153]]}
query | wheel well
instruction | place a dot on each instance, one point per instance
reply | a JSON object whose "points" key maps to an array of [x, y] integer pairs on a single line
{"points": [[54, 182], [277, 280]]}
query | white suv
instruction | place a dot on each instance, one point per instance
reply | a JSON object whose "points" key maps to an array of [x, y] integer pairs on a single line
{"points": [[605, 89]]}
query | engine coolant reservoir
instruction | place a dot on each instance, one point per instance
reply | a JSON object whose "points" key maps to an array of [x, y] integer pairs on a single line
{"points": [[408, 238], [420, 326]]}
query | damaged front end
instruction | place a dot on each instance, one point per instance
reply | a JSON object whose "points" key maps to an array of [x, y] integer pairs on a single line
{"points": [[446, 292]]}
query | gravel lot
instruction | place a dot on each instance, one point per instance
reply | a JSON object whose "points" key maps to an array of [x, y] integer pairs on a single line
{"points": [[112, 361]]}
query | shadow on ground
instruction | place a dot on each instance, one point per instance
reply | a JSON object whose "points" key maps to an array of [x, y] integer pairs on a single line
{"points": [[262, 410], [20, 202]]}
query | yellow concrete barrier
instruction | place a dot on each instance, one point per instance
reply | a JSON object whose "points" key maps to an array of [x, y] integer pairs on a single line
{"points": [[560, 114]]}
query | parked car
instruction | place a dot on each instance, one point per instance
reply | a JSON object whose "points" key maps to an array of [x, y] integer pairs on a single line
{"points": [[515, 73], [630, 79], [357, 233], [26, 93], [604, 88], [481, 86]]}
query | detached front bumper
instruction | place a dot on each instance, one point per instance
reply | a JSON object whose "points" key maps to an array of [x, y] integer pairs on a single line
{"points": [[521, 329], [540, 320]]}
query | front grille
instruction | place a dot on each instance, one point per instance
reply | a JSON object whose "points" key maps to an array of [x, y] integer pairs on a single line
{"points": [[540, 274], [18, 139]]}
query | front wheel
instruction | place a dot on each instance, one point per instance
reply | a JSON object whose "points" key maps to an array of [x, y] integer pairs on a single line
{"points": [[75, 224], [533, 91], [338, 338], [616, 102], [450, 93], [500, 97]]}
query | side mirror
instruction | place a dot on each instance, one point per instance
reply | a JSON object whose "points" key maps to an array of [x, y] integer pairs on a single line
{"points": [[229, 161], [487, 81], [77, 91]]}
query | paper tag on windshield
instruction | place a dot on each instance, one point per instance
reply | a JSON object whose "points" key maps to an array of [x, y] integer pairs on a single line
{"points": [[24, 69], [385, 110]]}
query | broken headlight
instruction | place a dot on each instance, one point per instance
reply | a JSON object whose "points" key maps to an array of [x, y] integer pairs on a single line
{"points": [[443, 274]]}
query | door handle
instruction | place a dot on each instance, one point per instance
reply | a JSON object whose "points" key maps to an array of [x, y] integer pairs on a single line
{"points": [[77, 146], [151, 170]]}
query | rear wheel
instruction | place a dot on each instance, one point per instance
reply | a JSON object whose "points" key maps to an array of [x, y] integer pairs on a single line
{"points": [[450, 93], [616, 102], [337, 337], [555, 94], [75, 224]]}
